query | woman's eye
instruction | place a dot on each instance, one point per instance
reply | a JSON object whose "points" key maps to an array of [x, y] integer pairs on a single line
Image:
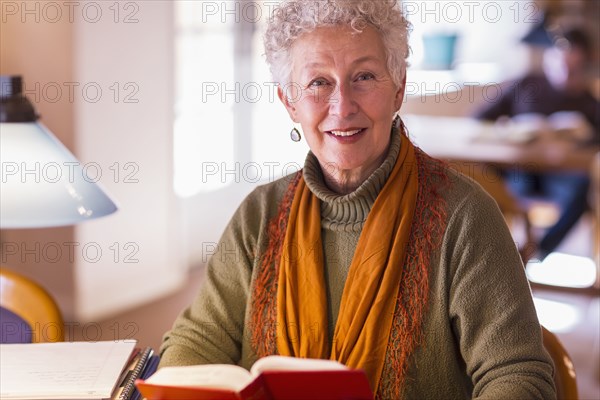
{"points": [[317, 82], [367, 76]]}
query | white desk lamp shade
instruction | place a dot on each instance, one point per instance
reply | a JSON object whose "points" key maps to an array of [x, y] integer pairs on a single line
{"points": [[43, 184]]}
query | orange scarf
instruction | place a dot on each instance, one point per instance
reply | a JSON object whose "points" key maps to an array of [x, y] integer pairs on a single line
{"points": [[371, 290]]}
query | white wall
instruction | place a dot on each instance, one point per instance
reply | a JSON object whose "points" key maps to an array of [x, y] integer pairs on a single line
{"points": [[132, 256], [131, 138]]}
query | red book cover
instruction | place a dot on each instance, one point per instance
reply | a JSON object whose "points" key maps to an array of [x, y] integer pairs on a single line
{"points": [[292, 381], [351, 384], [162, 392]]}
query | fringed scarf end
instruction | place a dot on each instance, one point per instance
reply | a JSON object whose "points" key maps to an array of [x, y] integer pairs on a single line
{"points": [[263, 318]]}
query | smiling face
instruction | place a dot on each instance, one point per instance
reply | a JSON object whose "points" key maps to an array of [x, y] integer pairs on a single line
{"points": [[345, 99]]}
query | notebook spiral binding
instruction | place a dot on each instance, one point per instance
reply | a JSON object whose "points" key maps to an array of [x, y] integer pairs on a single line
{"points": [[129, 386]]}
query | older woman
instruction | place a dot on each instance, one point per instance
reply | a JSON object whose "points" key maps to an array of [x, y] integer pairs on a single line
{"points": [[375, 254]]}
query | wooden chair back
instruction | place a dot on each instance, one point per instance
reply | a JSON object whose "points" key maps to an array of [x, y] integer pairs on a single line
{"points": [[565, 379], [33, 304]]}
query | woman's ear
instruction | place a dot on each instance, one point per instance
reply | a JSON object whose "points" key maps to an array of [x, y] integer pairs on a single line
{"points": [[289, 106], [399, 99]]}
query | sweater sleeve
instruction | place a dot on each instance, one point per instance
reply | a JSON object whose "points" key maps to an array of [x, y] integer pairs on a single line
{"points": [[210, 330], [491, 308]]}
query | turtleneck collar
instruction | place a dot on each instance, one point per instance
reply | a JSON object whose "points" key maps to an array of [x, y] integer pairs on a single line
{"points": [[349, 212]]}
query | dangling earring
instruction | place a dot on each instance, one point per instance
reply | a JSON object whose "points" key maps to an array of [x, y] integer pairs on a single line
{"points": [[295, 135]]}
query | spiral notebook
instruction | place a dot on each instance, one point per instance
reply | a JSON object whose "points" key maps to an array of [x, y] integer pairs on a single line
{"points": [[144, 363], [149, 369], [64, 370]]}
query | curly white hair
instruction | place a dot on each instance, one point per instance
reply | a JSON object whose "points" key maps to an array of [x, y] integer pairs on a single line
{"points": [[293, 18]]}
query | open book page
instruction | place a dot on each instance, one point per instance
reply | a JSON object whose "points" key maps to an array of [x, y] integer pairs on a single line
{"points": [[65, 370], [283, 363], [213, 376]]}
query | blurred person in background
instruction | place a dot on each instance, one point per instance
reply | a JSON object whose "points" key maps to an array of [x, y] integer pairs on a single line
{"points": [[563, 85]]}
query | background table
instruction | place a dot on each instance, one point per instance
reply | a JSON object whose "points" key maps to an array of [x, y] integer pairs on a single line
{"points": [[466, 140]]}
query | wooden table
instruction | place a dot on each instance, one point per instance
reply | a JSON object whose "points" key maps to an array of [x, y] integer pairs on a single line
{"points": [[466, 140]]}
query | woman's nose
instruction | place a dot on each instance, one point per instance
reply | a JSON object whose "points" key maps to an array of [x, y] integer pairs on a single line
{"points": [[342, 102]]}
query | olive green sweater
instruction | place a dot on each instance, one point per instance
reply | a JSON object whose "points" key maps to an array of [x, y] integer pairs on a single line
{"points": [[482, 338]]}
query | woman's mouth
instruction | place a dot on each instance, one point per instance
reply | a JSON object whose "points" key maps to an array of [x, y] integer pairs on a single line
{"points": [[346, 133]]}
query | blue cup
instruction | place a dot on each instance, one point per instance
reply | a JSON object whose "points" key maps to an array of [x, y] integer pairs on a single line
{"points": [[439, 50]]}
